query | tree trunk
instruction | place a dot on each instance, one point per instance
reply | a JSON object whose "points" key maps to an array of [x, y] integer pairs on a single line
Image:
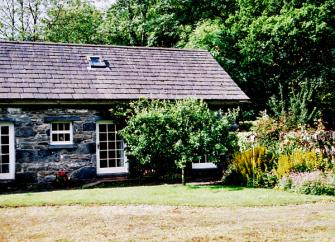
{"points": [[183, 176]]}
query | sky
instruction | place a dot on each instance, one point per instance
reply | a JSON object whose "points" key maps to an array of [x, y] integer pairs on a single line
{"points": [[103, 4]]}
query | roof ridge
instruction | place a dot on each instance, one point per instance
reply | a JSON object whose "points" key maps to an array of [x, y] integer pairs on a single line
{"points": [[101, 45]]}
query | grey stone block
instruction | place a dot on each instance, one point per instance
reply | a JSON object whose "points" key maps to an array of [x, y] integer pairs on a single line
{"points": [[89, 126], [83, 173], [25, 155], [88, 148], [24, 132], [49, 179], [26, 177]]}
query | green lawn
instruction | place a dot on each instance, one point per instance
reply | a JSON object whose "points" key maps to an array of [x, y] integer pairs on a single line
{"points": [[190, 195]]}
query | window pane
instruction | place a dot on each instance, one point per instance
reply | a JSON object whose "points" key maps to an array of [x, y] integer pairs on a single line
{"points": [[119, 145], [95, 60], [54, 137], [103, 163], [102, 137], [66, 126], [111, 136], [112, 163], [4, 140], [103, 145], [61, 137], [67, 137], [102, 128], [119, 153], [4, 149], [115, 145], [111, 127], [111, 145], [5, 168], [5, 159], [120, 163], [111, 154], [4, 130], [54, 127], [103, 154]]}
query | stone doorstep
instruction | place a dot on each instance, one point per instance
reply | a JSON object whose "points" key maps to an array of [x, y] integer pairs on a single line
{"points": [[107, 180]]}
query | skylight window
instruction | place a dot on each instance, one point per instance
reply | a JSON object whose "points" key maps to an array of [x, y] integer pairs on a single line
{"points": [[96, 61]]}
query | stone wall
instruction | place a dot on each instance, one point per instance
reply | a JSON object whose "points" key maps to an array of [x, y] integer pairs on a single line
{"points": [[39, 162]]}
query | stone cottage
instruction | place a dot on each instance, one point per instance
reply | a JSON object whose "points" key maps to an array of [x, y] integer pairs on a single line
{"points": [[54, 99]]}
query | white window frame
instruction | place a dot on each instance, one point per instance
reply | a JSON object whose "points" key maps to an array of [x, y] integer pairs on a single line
{"points": [[11, 174], [203, 165], [109, 170], [70, 142]]}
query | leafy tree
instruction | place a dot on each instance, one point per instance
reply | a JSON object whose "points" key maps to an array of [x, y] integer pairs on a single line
{"points": [[22, 19], [162, 133], [77, 22], [141, 23], [269, 43]]}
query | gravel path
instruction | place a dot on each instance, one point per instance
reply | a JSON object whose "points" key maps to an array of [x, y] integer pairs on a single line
{"points": [[309, 222]]}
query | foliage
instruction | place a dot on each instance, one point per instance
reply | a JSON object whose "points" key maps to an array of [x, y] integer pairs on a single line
{"points": [[23, 19], [295, 111], [318, 188], [253, 167], [314, 183], [144, 23], [77, 22], [165, 134], [267, 131], [301, 161], [207, 35], [283, 43]]}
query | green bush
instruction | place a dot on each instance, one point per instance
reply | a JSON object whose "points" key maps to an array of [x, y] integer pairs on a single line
{"points": [[317, 188], [314, 183], [171, 134], [252, 167]]}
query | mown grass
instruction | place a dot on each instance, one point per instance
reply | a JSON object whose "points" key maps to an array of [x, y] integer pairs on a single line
{"points": [[178, 195]]}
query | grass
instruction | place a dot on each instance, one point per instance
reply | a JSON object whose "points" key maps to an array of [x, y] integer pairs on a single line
{"points": [[213, 213], [177, 195]]}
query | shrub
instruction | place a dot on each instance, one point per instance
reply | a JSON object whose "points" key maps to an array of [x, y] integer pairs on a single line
{"points": [[266, 129], [163, 134], [301, 161], [317, 188], [253, 168], [314, 183], [296, 110]]}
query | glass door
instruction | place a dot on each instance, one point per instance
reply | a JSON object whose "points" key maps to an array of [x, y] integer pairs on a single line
{"points": [[7, 151], [110, 149]]}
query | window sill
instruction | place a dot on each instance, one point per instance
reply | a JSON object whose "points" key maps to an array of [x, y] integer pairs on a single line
{"points": [[208, 165], [64, 146]]}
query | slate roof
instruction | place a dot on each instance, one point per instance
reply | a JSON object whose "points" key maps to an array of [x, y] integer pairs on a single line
{"points": [[48, 71]]}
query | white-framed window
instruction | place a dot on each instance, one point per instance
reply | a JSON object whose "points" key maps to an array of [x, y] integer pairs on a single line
{"points": [[7, 151], [61, 133], [203, 164], [111, 157]]}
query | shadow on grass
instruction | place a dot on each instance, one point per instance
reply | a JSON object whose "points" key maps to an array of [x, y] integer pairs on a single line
{"points": [[217, 187]]}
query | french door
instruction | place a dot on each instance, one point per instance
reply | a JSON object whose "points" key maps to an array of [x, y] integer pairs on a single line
{"points": [[110, 149], [7, 151]]}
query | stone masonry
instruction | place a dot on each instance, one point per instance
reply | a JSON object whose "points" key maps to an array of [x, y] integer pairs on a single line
{"points": [[39, 162]]}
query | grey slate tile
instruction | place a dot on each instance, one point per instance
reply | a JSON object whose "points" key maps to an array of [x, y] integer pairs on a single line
{"points": [[61, 71]]}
